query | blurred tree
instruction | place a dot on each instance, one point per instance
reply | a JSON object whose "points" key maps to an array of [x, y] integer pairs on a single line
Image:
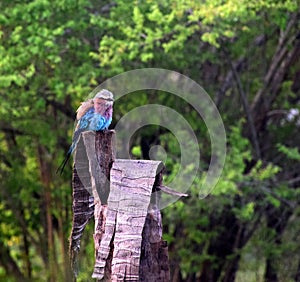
{"points": [[244, 53]]}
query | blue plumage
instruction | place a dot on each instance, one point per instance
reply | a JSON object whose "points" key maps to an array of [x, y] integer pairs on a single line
{"points": [[96, 116], [90, 121]]}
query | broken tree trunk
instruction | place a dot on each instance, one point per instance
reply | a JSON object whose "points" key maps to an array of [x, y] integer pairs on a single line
{"points": [[131, 245], [128, 226], [92, 162]]}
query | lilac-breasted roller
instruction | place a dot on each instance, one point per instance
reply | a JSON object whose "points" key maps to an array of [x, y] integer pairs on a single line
{"points": [[94, 114]]}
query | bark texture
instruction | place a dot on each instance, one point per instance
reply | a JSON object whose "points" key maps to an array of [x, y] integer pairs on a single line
{"points": [[154, 263], [92, 161], [132, 245], [128, 227]]}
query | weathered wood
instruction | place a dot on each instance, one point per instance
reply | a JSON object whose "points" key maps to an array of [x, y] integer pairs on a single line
{"points": [[128, 228], [105, 152], [154, 263], [170, 191], [132, 183], [98, 236], [99, 148], [83, 208], [90, 184]]}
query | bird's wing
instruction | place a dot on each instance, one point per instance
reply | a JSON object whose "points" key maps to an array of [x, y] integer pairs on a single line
{"points": [[83, 114], [98, 122], [83, 108], [84, 122]]}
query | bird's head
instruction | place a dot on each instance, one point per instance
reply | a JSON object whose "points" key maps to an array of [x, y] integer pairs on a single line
{"points": [[103, 99]]}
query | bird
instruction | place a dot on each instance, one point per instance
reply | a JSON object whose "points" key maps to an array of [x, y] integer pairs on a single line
{"points": [[94, 114]]}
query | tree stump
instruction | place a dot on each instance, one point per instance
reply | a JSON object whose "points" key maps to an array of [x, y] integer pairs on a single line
{"points": [[93, 158], [128, 227]]}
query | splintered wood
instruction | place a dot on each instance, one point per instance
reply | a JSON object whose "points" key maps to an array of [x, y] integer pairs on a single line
{"points": [[131, 186], [128, 227], [92, 162], [83, 209]]}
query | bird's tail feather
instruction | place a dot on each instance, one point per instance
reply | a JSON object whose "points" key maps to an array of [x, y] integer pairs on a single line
{"points": [[61, 167]]}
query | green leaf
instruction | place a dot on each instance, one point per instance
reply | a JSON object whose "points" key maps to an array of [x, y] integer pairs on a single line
{"points": [[291, 153]]}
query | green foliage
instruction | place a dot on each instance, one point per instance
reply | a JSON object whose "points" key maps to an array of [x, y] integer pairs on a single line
{"points": [[291, 153], [53, 53], [246, 212], [136, 151], [237, 154], [261, 173]]}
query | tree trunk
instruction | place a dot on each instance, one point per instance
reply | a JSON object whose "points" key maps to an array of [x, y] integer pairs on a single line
{"points": [[277, 220], [132, 239], [26, 254], [45, 170], [9, 264], [297, 276], [128, 228], [93, 159], [283, 59], [229, 240], [271, 272], [83, 211]]}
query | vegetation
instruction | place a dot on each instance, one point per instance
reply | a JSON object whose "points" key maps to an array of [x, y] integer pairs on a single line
{"points": [[245, 54]]}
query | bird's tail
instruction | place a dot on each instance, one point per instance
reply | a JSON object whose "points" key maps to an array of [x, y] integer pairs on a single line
{"points": [[69, 153], [61, 167]]}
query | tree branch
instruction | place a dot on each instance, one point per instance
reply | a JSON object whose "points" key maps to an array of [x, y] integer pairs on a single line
{"points": [[9, 264], [68, 111], [281, 62], [247, 111], [239, 66]]}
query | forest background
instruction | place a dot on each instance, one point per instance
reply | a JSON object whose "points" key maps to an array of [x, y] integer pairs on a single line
{"points": [[245, 54]]}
